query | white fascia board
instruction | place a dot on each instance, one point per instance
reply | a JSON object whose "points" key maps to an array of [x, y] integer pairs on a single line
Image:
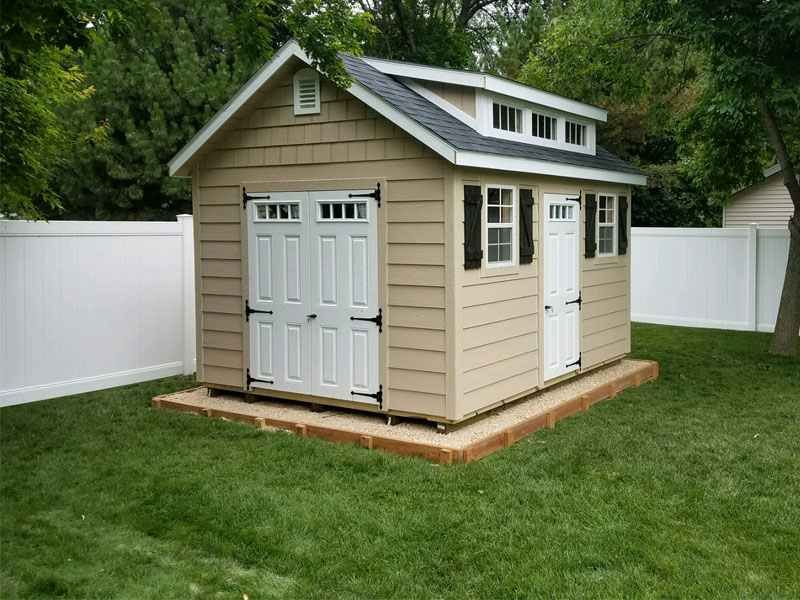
{"points": [[290, 49], [490, 83], [483, 160], [436, 99]]}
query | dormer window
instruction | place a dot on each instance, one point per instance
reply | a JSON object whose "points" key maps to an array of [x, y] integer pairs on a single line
{"points": [[544, 126], [306, 92], [575, 133], [506, 118]]}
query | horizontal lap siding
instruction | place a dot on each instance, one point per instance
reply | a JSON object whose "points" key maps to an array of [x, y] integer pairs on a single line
{"points": [[499, 330], [416, 293], [346, 140], [766, 203], [605, 311]]}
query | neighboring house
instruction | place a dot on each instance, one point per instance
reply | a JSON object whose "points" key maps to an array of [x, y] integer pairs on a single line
{"points": [[766, 203], [428, 242]]}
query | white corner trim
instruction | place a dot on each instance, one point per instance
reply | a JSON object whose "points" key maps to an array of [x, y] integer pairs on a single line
{"points": [[436, 99], [491, 83], [290, 49], [542, 167]]}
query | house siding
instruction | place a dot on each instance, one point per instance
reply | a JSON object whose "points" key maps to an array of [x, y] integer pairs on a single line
{"points": [[500, 330], [267, 145], [462, 97], [766, 203]]}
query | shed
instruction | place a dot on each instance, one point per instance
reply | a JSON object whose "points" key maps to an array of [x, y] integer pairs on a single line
{"points": [[766, 203], [428, 242]]}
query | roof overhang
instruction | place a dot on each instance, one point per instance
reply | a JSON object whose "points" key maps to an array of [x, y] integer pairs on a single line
{"points": [[491, 83], [178, 164], [499, 162]]}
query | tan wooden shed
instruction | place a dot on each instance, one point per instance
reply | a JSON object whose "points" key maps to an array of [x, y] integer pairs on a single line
{"points": [[428, 242]]}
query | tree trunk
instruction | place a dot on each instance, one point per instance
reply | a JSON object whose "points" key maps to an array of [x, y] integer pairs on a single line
{"points": [[784, 340]]}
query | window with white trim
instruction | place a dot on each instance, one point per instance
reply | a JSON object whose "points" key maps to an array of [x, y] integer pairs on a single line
{"points": [[606, 224], [341, 210], [544, 126], [277, 211], [500, 223], [306, 92], [575, 133], [506, 118]]}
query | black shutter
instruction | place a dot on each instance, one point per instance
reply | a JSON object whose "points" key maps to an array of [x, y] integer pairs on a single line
{"points": [[526, 226], [591, 216], [473, 251], [622, 238]]}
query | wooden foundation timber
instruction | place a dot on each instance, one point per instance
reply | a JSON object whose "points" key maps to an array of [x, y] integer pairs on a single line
{"points": [[442, 455]]}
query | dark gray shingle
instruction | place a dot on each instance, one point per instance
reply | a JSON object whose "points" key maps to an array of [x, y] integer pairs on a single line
{"points": [[462, 136]]}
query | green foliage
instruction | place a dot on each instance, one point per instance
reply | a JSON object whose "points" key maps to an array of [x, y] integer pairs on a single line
{"points": [[159, 84], [693, 69], [421, 31], [686, 487]]}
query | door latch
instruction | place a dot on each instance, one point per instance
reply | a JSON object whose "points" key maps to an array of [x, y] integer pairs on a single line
{"points": [[311, 316], [548, 307], [576, 301]]}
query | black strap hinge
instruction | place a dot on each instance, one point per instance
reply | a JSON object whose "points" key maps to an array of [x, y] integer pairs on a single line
{"points": [[246, 197], [378, 320], [252, 379], [376, 194], [377, 395], [575, 199], [249, 311], [577, 362], [577, 301]]}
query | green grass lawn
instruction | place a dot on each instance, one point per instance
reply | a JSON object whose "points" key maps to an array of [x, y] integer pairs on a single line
{"points": [[687, 487]]}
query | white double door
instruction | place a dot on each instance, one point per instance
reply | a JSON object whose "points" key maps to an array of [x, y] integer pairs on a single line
{"points": [[561, 287], [312, 271]]}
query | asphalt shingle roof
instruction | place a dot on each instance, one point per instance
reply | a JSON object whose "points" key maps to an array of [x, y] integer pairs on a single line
{"points": [[460, 135]]}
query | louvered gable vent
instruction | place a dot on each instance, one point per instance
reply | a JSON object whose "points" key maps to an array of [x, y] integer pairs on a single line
{"points": [[306, 92]]}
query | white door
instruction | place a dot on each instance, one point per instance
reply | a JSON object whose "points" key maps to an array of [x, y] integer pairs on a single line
{"points": [[314, 264], [280, 329], [344, 290], [561, 291]]}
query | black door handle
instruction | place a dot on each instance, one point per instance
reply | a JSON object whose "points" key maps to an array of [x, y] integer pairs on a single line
{"points": [[547, 307], [311, 316]]}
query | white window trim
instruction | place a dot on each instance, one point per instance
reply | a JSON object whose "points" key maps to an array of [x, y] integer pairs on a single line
{"points": [[512, 135], [485, 127], [545, 114], [612, 225], [577, 122], [487, 226], [306, 73]]}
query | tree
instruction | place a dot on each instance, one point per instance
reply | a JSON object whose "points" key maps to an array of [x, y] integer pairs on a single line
{"points": [[140, 81], [728, 76], [38, 46]]}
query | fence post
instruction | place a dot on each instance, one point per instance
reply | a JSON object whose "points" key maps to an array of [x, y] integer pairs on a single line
{"points": [[752, 275], [187, 286]]}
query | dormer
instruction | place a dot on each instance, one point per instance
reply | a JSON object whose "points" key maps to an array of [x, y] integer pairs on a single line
{"points": [[501, 108]]}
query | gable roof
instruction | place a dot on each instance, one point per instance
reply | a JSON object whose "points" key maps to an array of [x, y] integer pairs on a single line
{"points": [[436, 128]]}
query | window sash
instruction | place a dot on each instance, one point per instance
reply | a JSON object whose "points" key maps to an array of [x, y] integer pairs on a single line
{"points": [[544, 126], [606, 225], [501, 225], [506, 117], [575, 133]]}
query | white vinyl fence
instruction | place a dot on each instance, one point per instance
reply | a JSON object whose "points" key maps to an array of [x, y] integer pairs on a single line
{"points": [[92, 305], [722, 278]]}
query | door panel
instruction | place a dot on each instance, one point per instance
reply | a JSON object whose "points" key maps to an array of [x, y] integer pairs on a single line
{"points": [[280, 343], [344, 236], [561, 284], [313, 263]]}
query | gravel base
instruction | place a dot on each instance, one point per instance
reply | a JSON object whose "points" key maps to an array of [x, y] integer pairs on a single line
{"points": [[415, 431]]}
